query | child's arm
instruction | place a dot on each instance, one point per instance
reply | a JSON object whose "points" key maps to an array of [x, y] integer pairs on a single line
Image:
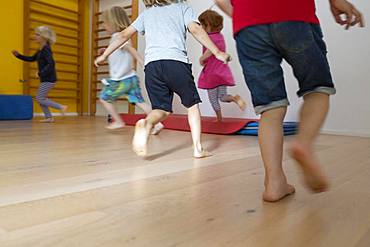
{"points": [[135, 54], [225, 6], [25, 58], [201, 35], [353, 16], [207, 54], [122, 38]]}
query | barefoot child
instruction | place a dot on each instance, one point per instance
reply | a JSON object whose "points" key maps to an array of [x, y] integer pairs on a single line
{"points": [[123, 80], [263, 39], [167, 68], [45, 37], [216, 76]]}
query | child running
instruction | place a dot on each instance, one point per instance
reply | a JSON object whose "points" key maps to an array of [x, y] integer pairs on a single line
{"points": [[123, 80], [167, 67], [45, 37], [216, 76], [267, 32]]}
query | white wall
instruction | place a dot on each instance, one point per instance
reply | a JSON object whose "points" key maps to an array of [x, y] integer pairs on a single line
{"points": [[349, 55]]}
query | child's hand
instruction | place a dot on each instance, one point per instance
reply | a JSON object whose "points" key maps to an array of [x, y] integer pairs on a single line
{"points": [[352, 15], [15, 53], [202, 61], [99, 60], [101, 51], [223, 57]]}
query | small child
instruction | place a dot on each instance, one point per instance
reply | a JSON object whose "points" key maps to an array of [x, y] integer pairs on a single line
{"points": [[45, 37], [216, 76], [167, 67], [123, 80]]}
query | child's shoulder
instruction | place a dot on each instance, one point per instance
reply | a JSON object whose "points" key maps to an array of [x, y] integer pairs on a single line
{"points": [[46, 49]]}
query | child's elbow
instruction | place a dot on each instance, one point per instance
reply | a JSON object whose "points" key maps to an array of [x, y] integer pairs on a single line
{"points": [[195, 29], [124, 36]]}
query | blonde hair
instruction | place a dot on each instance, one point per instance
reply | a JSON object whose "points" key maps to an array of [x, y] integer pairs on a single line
{"points": [[212, 19], [150, 3], [47, 33], [117, 17]]}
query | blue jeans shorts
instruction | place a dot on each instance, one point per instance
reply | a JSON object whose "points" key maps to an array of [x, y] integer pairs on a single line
{"points": [[261, 50]]}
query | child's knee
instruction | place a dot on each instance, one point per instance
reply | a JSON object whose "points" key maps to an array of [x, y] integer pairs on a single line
{"points": [[40, 100], [224, 98]]}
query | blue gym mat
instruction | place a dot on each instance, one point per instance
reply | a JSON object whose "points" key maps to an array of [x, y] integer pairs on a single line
{"points": [[16, 107], [251, 129]]}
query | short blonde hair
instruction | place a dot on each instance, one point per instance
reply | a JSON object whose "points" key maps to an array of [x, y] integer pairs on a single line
{"points": [[117, 17], [47, 33], [150, 3]]}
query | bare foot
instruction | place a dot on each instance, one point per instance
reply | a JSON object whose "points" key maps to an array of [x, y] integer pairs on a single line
{"points": [[141, 136], [314, 177], [47, 120], [115, 125], [201, 154], [277, 192], [240, 102], [157, 128], [63, 110]]}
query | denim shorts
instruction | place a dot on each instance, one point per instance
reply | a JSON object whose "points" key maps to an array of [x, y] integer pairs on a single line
{"points": [[128, 88], [262, 48]]}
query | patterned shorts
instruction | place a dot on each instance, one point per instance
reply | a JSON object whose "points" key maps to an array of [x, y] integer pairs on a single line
{"points": [[128, 88]]}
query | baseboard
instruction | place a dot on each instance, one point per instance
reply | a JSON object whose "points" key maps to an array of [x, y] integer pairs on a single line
{"points": [[345, 133], [70, 114]]}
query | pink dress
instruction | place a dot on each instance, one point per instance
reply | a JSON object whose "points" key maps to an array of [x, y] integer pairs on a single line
{"points": [[215, 73]]}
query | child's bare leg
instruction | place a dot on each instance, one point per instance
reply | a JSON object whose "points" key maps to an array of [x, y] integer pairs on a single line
{"points": [[236, 99], [312, 116], [271, 144], [147, 109], [219, 116], [195, 126], [143, 128], [118, 123], [63, 110]]}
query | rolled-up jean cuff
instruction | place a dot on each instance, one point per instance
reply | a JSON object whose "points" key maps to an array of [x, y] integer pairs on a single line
{"points": [[275, 104], [324, 90]]}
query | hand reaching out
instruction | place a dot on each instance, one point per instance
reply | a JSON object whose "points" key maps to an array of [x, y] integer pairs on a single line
{"points": [[99, 60], [101, 51], [351, 16], [15, 53]]}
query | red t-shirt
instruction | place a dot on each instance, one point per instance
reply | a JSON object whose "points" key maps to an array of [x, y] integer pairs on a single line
{"points": [[254, 12]]}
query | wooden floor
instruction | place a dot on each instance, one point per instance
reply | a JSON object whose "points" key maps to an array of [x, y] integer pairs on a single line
{"points": [[72, 183]]}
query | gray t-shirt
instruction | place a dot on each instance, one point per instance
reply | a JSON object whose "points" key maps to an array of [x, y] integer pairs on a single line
{"points": [[165, 31]]}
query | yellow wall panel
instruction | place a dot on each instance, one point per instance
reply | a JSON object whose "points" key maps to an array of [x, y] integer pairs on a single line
{"points": [[11, 17]]}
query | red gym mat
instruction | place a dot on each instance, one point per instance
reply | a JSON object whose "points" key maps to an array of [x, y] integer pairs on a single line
{"points": [[209, 124]]}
